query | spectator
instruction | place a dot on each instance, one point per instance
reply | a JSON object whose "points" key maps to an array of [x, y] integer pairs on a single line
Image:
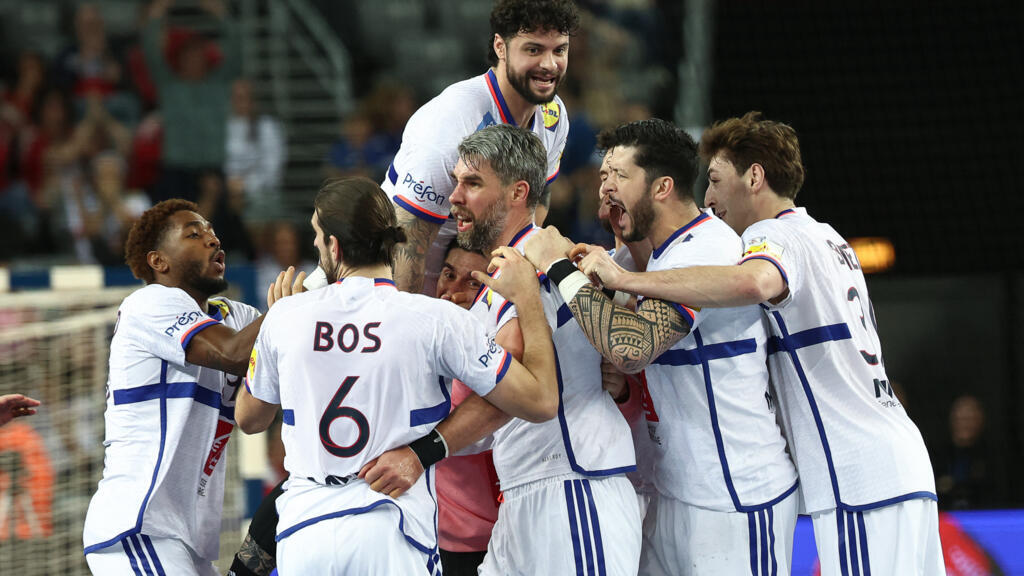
{"points": [[283, 247], [255, 154], [371, 138], [193, 100], [964, 472]]}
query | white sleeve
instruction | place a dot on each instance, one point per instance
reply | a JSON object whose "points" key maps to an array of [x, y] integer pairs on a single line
{"points": [[166, 321], [419, 179], [261, 380], [770, 241], [467, 353]]}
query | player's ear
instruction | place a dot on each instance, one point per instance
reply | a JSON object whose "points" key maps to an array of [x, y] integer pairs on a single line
{"points": [[520, 191], [662, 187], [334, 247], [158, 261], [499, 46], [755, 177]]}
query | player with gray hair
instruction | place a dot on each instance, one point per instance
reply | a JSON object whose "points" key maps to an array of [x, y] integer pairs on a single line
{"points": [[563, 481]]}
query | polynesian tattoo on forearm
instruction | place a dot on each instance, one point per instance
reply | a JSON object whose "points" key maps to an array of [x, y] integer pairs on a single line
{"points": [[255, 558], [629, 340], [411, 255]]}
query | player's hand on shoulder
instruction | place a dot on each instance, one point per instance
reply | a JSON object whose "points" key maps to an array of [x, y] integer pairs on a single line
{"points": [[517, 277], [287, 283], [602, 270], [545, 247], [393, 472]]}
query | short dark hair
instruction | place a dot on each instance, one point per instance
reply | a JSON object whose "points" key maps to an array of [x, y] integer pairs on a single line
{"points": [[147, 233], [360, 215], [752, 139], [661, 149], [510, 17]]}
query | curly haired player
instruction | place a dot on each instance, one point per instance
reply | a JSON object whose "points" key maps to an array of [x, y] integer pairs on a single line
{"points": [[176, 359]]}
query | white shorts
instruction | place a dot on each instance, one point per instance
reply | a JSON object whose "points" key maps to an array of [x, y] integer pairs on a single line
{"points": [[140, 555], [368, 544], [899, 539], [680, 539], [566, 525]]}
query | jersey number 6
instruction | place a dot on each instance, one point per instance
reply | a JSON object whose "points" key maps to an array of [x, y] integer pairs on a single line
{"points": [[334, 411]]}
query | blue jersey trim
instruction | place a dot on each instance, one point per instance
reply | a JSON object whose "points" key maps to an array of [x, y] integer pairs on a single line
{"points": [[165, 390], [499, 98], [787, 344], [419, 212], [422, 416], [584, 526], [392, 174], [506, 361], [564, 425], [288, 416], [699, 219], [692, 356], [810, 337], [774, 262], [573, 532], [598, 544], [196, 330], [865, 558], [156, 469], [519, 235], [785, 212], [351, 511], [923, 495], [562, 316]]}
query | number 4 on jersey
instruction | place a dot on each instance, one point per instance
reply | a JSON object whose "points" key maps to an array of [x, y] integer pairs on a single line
{"points": [[336, 410]]}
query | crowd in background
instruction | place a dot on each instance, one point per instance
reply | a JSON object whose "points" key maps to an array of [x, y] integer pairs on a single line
{"points": [[92, 136]]}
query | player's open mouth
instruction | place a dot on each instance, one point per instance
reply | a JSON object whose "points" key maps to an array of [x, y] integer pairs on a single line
{"points": [[616, 212], [218, 262], [463, 222]]}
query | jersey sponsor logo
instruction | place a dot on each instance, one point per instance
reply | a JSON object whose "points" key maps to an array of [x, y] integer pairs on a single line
{"points": [[762, 245], [250, 374], [488, 120], [220, 440], [182, 321], [424, 193], [492, 350], [552, 113]]}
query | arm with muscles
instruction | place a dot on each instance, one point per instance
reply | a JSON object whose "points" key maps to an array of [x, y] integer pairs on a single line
{"points": [[224, 349], [749, 283], [411, 255], [528, 389], [629, 340]]}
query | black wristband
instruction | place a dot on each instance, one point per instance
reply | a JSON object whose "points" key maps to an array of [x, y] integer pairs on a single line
{"points": [[430, 449], [560, 270]]}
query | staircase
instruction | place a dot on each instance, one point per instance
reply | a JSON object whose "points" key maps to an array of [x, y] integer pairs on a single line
{"points": [[301, 73]]}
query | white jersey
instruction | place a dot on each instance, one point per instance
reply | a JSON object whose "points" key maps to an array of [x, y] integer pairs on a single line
{"points": [[167, 423], [853, 444], [590, 436], [711, 417], [420, 180], [360, 368]]}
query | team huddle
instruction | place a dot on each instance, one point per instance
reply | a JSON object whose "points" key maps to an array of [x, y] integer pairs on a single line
{"points": [[668, 407]]}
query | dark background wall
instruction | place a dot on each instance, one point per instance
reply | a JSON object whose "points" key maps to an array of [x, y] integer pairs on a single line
{"points": [[910, 126]]}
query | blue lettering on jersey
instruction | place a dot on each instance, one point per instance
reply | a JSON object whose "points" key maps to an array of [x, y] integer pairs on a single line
{"points": [[424, 193], [492, 349], [183, 320], [487, 121]]}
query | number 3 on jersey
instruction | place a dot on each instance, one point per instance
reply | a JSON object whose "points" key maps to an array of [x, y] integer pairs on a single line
{"points": [[336, 410]]}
